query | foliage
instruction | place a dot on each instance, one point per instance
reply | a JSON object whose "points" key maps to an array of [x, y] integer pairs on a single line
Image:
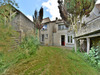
{"points": [[93, 57], [72, 11], [31, 44], [10, 56], [27, 49], [6, 43], [79, 7], [37, 20], [4, 2], [6, 9], [6, 33]]}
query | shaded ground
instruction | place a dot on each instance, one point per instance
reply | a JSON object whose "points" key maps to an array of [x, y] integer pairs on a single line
{"points": [[52, 61]]}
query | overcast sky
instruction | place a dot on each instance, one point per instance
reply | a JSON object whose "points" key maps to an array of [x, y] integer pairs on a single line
{"points": [[50, 7]]}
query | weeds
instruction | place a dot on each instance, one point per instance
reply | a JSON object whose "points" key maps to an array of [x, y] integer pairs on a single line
{"points": [[92, 57], [7, 58], [30, 44]]}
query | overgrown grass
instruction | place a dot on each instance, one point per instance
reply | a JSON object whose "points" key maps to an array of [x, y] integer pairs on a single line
{"points": [[10, 56], [25, 60], [5, 37], [52, 61]]}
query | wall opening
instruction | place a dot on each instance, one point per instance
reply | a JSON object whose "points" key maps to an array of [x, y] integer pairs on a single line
{"points": [[62, 40]]}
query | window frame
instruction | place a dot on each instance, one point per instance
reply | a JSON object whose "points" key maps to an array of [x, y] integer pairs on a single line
{"points": [[70, 39], [62, 27]]}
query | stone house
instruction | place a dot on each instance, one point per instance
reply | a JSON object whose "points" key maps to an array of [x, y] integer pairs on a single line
{"points": [[89, 34], [22, 24], [55, 33], [19, 22]]}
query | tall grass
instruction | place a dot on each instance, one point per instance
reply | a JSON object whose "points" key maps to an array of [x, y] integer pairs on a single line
{"points": [[6, 32], [30, 44], [9, 56]]}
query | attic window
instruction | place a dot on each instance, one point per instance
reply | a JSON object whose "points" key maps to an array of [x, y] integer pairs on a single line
{"points": [[44, 27]]}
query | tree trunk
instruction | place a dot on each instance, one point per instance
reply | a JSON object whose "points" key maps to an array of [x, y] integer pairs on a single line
{"points": [[39, 36]]}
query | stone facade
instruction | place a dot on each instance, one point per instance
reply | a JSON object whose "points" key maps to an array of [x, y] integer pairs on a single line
{"points": [[18, 20], [56, 34], [21, 23]]}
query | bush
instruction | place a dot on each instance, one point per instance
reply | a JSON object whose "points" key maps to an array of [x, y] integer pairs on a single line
{"points": [[30, 44], [93, 57]]}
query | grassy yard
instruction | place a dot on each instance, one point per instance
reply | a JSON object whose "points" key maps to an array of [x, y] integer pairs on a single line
{"points": [[52, 61]]}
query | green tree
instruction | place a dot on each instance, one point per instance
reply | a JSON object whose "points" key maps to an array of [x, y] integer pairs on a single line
{"points": [[73, 10], [6, 9]]}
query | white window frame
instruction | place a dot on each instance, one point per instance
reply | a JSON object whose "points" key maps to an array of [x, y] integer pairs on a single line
{"points": [[70, 39]]}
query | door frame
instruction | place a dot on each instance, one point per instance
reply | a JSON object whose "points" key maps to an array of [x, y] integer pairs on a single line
{"points": [[62, 40]]}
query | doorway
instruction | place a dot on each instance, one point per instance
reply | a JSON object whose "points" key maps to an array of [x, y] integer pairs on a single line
{"points": [[62, 40]]}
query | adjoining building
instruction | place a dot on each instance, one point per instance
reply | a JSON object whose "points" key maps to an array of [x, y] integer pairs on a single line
{"points": [[89, 33], [55, 33], [20, 23]]}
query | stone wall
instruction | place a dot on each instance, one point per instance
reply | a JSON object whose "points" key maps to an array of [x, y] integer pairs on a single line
{"points": [[23, 24], [92, 26]]}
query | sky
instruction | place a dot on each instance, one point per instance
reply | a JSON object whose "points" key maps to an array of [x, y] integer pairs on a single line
{"points": [[29, 6]]}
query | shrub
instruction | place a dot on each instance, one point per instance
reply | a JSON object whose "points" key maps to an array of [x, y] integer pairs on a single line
{"points": [[30, 44], [93, 57]]}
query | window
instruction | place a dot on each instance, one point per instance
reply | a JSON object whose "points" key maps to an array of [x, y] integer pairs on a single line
{"points": [[61, 27], [44, 27], [70, 39], [46, 36], [42, 37]]}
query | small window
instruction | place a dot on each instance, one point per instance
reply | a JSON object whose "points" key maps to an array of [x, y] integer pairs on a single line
{"points": [[70, 39], [44, 27], [46, 36]]}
